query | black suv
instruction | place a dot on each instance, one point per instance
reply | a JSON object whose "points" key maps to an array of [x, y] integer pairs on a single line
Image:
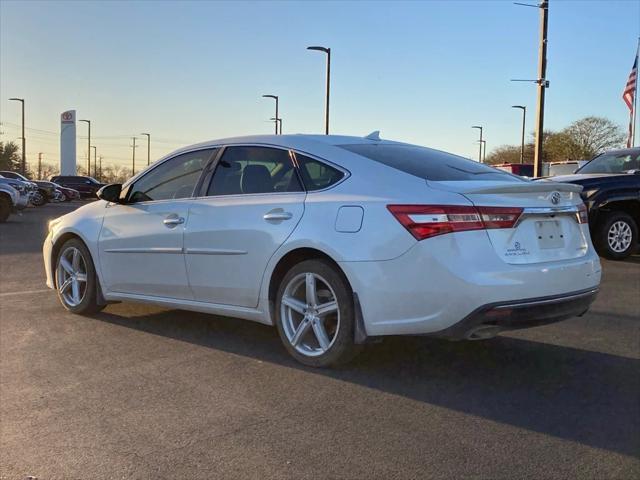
{"points": [[611, 183], [87, 186]]}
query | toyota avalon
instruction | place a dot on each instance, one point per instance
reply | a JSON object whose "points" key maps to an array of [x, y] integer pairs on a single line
{"points": [[334, 240]]}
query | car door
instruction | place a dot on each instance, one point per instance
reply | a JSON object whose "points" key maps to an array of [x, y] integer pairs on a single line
{"points": [[141, 240], [249, 208]]}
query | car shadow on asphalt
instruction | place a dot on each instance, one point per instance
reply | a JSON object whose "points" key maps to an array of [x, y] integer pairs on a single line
{"points": [[584, 396]]}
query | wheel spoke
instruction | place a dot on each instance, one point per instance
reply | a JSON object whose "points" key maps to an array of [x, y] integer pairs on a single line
{"points": [[64, 263], [294, 304], [327, 308], [67, 283], [75, 262], [321, 334], [81, 277], [75, 291], [302, 329], [310, 283]]}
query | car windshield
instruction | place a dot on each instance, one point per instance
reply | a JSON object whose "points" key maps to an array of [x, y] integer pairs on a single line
{"points": [[428, 163], [614, 162]]}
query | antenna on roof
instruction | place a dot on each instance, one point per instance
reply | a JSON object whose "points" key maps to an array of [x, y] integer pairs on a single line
{"points": [[374, 136]]}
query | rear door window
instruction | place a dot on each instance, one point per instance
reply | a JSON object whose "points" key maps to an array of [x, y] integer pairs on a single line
{"points": [[428, 163]]}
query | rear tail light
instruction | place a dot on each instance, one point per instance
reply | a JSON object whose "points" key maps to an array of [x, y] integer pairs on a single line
{"points": [[425, 221], [583, 214]]}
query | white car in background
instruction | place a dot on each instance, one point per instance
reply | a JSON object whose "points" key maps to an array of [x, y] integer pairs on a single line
{"points": [[334, 240]]}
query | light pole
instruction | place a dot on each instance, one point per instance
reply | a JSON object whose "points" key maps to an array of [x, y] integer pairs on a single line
{"points": [[24, 140], [480, 152], [484, 151], [278, 121], [39, 165], [133, 158], [95, 163], [88, 122], [100, 169], [524, 119], [275, 97], [148, 135], [326, 108]]}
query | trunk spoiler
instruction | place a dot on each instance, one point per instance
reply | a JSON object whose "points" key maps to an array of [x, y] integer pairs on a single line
{"points": [[478, 186]]}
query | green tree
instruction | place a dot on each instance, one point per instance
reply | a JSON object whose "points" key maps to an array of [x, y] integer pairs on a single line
{"points": [[9, 157]]}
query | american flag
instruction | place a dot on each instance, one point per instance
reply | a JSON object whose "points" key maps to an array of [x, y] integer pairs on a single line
{"points": [[628, 96]]}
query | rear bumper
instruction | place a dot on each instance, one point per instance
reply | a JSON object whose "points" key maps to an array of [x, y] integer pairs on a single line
{"points": [[489, 320], [442, 281]]}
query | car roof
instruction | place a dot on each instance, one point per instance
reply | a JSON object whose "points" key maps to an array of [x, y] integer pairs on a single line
{"points": [[298, 140]]}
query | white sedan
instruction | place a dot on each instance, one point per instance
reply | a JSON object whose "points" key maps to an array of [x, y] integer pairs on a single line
{"points": [[335, 240]]}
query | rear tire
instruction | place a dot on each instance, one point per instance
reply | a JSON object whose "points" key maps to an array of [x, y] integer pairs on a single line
{"points": [[75, 277], [5, 208], [616, 236], [315, 315]]}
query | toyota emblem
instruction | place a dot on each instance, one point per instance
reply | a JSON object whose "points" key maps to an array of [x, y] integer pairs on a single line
{"points": [[555, 198]]}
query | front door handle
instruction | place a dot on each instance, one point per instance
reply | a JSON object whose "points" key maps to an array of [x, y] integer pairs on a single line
{"points": [[173, 221], [271, 216]]}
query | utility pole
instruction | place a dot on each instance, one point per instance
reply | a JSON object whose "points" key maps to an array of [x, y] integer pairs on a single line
{"points": [[133, 150], [88, 122], [148, 135], [95, 163], [24, 140], [542, 85], [480, 152], [39, 165]]}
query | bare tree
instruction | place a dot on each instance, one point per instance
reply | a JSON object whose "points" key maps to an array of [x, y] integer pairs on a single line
{"points": [[593, 135]]}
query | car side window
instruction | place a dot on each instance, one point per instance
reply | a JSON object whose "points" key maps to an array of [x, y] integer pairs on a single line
{"points": [[173, 179], [317, 175], [245, 170]]}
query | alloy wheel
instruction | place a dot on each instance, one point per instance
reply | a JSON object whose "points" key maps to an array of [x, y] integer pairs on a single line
{"points": [[619, 236], [72, 276], [310, 314]]}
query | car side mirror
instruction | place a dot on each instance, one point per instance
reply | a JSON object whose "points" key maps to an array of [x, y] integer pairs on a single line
{"points": [[110, 193]]}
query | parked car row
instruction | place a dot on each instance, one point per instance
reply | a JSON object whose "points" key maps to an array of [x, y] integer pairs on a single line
{"points": [[18, 192]]}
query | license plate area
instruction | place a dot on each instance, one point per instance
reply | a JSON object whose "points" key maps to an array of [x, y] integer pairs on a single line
{"points": [[549, 234]]}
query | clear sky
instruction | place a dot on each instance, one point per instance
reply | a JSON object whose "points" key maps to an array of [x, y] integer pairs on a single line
{"points": [[422, 72]]}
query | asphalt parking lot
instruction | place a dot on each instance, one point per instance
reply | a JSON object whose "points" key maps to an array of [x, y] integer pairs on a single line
{"points": [[143, 392]]}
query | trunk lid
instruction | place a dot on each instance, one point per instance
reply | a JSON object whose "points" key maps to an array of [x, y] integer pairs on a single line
{"points": [[547, 230]]}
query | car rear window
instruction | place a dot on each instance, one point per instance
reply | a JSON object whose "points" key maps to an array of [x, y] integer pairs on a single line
{"points": [[428, 163]]}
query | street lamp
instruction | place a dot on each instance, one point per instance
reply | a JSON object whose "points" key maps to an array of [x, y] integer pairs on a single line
{"points": [[278, 121], [95, 161], [480, 152], [24, 140], [275, 97], [484, 150], [148, 135], [326, 108], [88, 122], [524, 118]]}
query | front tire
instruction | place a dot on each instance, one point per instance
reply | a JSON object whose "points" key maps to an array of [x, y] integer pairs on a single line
{"points": [[617, 236], [76, 281], [315, 315]]}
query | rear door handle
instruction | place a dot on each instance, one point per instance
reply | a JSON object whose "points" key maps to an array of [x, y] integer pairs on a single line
{"points": [[173, 221], [277, 216]]}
